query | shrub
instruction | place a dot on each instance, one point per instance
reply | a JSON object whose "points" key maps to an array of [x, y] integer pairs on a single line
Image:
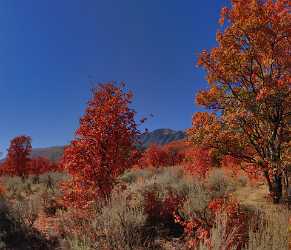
{"points": [[160, 156], [14, 234], [219, 184], [26, 211], [267, 230], [161, 212], [116, 225]]}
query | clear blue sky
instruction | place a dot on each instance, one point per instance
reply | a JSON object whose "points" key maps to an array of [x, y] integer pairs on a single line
{"points": [[50, 49]]}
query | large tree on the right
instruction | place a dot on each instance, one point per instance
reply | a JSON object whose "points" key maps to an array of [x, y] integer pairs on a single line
{"points": [[249, 89]]}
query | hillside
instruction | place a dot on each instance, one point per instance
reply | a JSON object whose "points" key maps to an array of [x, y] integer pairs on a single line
{"points": [[52, 153], [159, 136]]}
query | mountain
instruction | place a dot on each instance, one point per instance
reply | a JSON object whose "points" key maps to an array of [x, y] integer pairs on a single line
{"points": [[52, 153], [159, 136]]}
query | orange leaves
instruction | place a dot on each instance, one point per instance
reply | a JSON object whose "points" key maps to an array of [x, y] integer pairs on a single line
{"points": [[205, 128], [103, 148], [202, 119], [223, 14], [209, 98], [249, 86]]}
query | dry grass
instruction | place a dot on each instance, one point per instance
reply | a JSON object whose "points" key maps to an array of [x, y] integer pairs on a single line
{"points": [[121, 222], [272, 233], [268, 231], [118, 224]]}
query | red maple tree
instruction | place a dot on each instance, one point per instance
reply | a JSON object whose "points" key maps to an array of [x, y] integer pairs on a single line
{"points": [[17, 161], [103, 148]]}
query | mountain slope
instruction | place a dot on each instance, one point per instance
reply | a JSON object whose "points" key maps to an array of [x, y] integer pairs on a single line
{"points": [[159, 136], [52, 153]]}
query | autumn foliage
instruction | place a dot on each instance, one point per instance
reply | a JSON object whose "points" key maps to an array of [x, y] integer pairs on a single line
{"points": [[160, 156], [154, 156], [103, 148], [17, 161], [40, 165], [161, 210], [249, 89], [198, 161], [198, 229], [190, 204]]}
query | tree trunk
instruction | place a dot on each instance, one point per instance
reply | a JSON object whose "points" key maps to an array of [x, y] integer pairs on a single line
{"points": [[277, 189], [270, 186], [286, 182]]}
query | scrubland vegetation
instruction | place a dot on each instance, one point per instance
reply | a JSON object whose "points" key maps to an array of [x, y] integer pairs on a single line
{"points": [[153, 208], [225, 187]]}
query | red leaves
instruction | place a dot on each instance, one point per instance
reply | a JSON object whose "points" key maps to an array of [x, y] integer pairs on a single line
{"points": [[17, 161], [162, 209], [104, 145], [198, 161], [2, 190], [160, 156], [198, 230], [223, 14], [154, 156], [40, 165]]}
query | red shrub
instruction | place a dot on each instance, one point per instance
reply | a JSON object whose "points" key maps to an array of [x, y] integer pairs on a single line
{"points": [[198, 229], [154, 156], [40, 165], [162, 210], [159, 156], [198, 161]]}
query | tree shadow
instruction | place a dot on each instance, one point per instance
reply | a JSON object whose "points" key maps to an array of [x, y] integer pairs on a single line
{"points": [[16, 236]]}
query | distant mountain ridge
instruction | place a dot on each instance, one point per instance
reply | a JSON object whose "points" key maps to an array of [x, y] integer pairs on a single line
{"points": [[158, 136], [161, 137], [51, 153]]}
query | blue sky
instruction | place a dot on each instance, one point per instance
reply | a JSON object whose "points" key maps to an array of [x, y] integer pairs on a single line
{"points": [[52, 50]]}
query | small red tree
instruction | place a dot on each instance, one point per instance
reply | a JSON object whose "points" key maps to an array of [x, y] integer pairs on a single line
{"points": [[160, 156], [176, 152], [154, 156], [103, 148], [39, 165], [18, 160]]}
